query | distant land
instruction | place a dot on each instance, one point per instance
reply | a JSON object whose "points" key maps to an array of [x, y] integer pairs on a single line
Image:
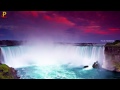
{"points": [[10, 42], [16, 43], [20, 42]]}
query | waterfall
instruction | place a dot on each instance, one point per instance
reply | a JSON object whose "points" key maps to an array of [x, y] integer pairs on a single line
{"points": [[21, 56]]}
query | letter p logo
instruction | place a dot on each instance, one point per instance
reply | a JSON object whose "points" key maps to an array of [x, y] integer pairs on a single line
{"points": [[4, 14]]}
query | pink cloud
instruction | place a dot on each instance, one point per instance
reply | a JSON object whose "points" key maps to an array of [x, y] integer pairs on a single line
{"points": [[96, 32], [59, 19], [92, 29], [114, 30], [34, 13]]}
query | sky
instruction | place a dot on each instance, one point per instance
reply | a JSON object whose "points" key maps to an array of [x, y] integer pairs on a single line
{"points": [[61, 26]]}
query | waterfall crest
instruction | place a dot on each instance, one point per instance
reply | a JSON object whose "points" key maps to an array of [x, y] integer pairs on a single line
{"points": [[21, 56]]}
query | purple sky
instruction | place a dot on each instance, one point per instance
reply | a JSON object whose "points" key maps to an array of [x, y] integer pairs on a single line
{"points": [[61, 26]]}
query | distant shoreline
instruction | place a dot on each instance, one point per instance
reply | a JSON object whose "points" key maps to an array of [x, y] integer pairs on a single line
{"points": [[4, 43]]}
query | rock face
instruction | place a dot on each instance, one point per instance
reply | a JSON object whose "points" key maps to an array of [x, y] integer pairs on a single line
{"points": [[1, 56], [85, 67], [96, 65], [112, 56], [7, 72]]}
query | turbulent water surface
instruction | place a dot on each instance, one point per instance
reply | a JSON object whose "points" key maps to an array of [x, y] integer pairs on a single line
{"points": [[63, 72], [56, 62]]}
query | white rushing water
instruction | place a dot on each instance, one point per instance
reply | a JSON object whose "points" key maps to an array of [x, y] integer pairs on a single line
{"points": [[22, 56]]}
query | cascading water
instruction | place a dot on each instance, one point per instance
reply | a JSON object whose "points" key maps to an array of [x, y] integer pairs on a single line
{"points": [[48, 60], [76, 55], [14, 56]]}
